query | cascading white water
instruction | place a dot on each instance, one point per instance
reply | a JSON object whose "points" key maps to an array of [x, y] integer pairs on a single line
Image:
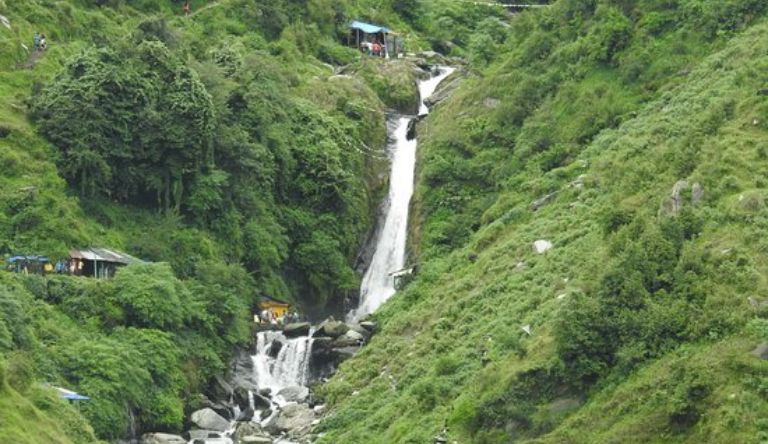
{"points": [[389, 256], [289, 368]]}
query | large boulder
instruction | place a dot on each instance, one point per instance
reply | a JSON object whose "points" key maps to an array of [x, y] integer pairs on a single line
{"points": [[220, 389], [761, 351], [369, 325], [246, 415], [222, 409], [296, 329], [209, 419], [357, 328], [262, 439], [295, 418], [240, 397], [251, 433], [331, 328], [203, 434], [294, 394], [162, 438], [350, 338]]}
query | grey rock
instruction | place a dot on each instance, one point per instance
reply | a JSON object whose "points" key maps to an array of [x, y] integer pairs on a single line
{"points": [[296, 329], [369, 325], [203, 434], [220, 389], [246, 415], [162, 438], [274, 348], [294, 418], [209, 419], [260, 401], [245, 429], [294, 394], [331, 328], [540, 202], [542, 246], [677, 198], [697, 193], [357, 328], [562, 405], [761, 351], [255, 440], [240, 397], [491, 103]]}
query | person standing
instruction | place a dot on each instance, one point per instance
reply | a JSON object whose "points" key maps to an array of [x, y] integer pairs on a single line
{"points": [[43, 43], [187, 9], [36, 40]]}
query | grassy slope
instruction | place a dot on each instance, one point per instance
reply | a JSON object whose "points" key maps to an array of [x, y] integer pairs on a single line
{"points": [[451, 347]]}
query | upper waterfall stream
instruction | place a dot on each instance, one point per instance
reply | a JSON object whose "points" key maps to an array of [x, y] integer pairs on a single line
{"points": [[389, 256]]}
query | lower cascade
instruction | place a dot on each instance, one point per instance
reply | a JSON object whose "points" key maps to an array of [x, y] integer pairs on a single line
{"points": [[280, 362]]}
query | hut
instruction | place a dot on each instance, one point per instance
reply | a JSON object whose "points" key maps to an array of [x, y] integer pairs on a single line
{"points": [[98, 262], [361, 32], [275, 307]]}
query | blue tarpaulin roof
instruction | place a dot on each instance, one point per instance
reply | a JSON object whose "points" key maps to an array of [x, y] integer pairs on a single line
{"points": [[368, 28], [14, 259]]}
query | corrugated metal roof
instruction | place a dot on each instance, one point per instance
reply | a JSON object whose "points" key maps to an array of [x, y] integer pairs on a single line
{"points": [[103, 255], [368, 28]]}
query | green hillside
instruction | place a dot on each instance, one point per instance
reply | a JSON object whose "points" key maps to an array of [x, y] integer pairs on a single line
{"points": [[226, 148], [240, 151], [630, 135]]}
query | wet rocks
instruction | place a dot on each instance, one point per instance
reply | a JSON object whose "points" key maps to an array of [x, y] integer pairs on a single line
{"points": [[208, 419], [296, 329], [250, 433], [331, 328], [162, 438], [294, 394], [369, 325], [296, 418]]}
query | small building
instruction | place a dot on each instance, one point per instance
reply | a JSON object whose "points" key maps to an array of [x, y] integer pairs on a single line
{"points": [[278, 308], [30, 264], [98, 262], [362, 33]]}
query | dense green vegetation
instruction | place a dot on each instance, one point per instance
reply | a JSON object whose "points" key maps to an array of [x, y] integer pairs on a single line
{"points": [[644, 313], [222, 147]]}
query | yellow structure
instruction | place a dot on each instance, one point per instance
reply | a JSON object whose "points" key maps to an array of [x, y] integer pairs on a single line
{"points": [[279, 309]]}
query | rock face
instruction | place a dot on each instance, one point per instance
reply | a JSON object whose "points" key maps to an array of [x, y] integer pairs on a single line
{"points": [[445, 89], [162, 438], [296, 329], [294, 394], [296, 418], [209, 419]]}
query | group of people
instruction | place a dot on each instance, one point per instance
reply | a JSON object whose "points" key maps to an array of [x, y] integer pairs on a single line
{"points": [[41, 44], [374, 48], [269, 317]]}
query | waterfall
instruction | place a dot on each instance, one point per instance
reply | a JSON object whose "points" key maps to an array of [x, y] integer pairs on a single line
{"points": [[289, 367], [389, 256]]}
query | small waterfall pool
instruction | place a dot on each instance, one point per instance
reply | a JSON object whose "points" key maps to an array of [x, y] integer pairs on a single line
{"points": [[389, 256]]}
